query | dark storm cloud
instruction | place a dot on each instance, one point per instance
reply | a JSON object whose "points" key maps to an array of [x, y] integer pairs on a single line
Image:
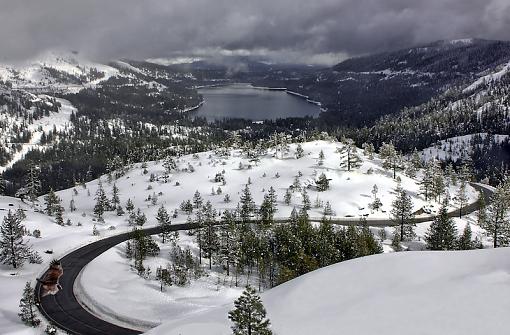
{"points": [[279, 28]]}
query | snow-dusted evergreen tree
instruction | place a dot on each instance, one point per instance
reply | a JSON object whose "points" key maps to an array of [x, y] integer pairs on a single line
{"points": [[376, 203], [322, 183], [164, 223], [13, 250], [115, 197], [327, 209], [307, 205], [33, 183], [140, 218], [481, 215], [427, 181], [442, 233], [169, 165], [392, 159], [465, 240], [287, 198], [229, 241], [368, 150], [59, 215], [27, 307], [299, 151], [402, 214], [247, 206], [266, 210], [438, 182], [497, 223], [51, 201], [349, 158], [249, 315], [461, 197], [197, 200], [320, 161], [102, 203], [209, 234], [129, 205]]}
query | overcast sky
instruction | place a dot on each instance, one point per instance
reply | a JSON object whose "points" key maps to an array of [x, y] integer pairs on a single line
{"points": [[307, 30]]}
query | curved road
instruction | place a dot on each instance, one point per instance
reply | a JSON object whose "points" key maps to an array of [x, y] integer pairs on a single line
{"points": [[64, 310]]}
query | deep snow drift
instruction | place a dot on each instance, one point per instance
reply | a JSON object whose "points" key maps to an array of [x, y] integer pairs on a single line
{"points": [[400, 293]]}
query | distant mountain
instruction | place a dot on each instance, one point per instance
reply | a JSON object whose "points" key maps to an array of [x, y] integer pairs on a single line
{"points": [[360, 90], [468, 56]]}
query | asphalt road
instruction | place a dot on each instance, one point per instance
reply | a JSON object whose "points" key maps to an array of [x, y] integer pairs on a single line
{"points": [[64, 310]]}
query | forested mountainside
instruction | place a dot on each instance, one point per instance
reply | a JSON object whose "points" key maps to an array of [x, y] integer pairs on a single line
{"points": [[480, 107]]}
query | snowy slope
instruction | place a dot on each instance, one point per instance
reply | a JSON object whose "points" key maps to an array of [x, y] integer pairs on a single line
{"points": [[454, 148], [495, 76], [56, 69], [349, 192], [59, 121], [418, 293]]}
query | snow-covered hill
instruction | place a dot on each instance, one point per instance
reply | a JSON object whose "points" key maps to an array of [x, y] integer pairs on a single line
{"points": [[421, 293], [56, 69], [349, 195]]}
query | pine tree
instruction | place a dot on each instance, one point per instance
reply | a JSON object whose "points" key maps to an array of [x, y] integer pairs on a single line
{"points": [[320, 161], [249, 315], [465, 240], [442, 233], [169, 165], [229, 239], [197, 200], [427, 182], [51, 201], [13, 250], [164, 223], [482, 211], [438, 182], [210, 234], [322, 183], [115, 197], [102, 203], [368, 150], [497, 223], [33, 183], [27, 307], [59, 215], [461, 196], [140, 218], [299, 151], [327, 209], [247, 204], [392, 158], [376, 204], [402, 214], [349, 158], [287, 198], [307, 205], [129, 205]]}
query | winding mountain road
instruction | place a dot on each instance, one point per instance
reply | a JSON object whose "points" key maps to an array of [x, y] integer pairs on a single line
{"points": [[65, 311]]}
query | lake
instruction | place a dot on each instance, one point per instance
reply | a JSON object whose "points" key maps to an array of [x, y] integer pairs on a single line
{"points": [[246, 102]]}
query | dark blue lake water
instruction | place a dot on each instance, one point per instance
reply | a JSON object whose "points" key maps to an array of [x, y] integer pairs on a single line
{"points": [[244, 101]]}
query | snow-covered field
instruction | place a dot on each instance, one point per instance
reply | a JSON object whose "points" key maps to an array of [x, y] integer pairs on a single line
{"points": [[418, 293], [349, 194]]}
